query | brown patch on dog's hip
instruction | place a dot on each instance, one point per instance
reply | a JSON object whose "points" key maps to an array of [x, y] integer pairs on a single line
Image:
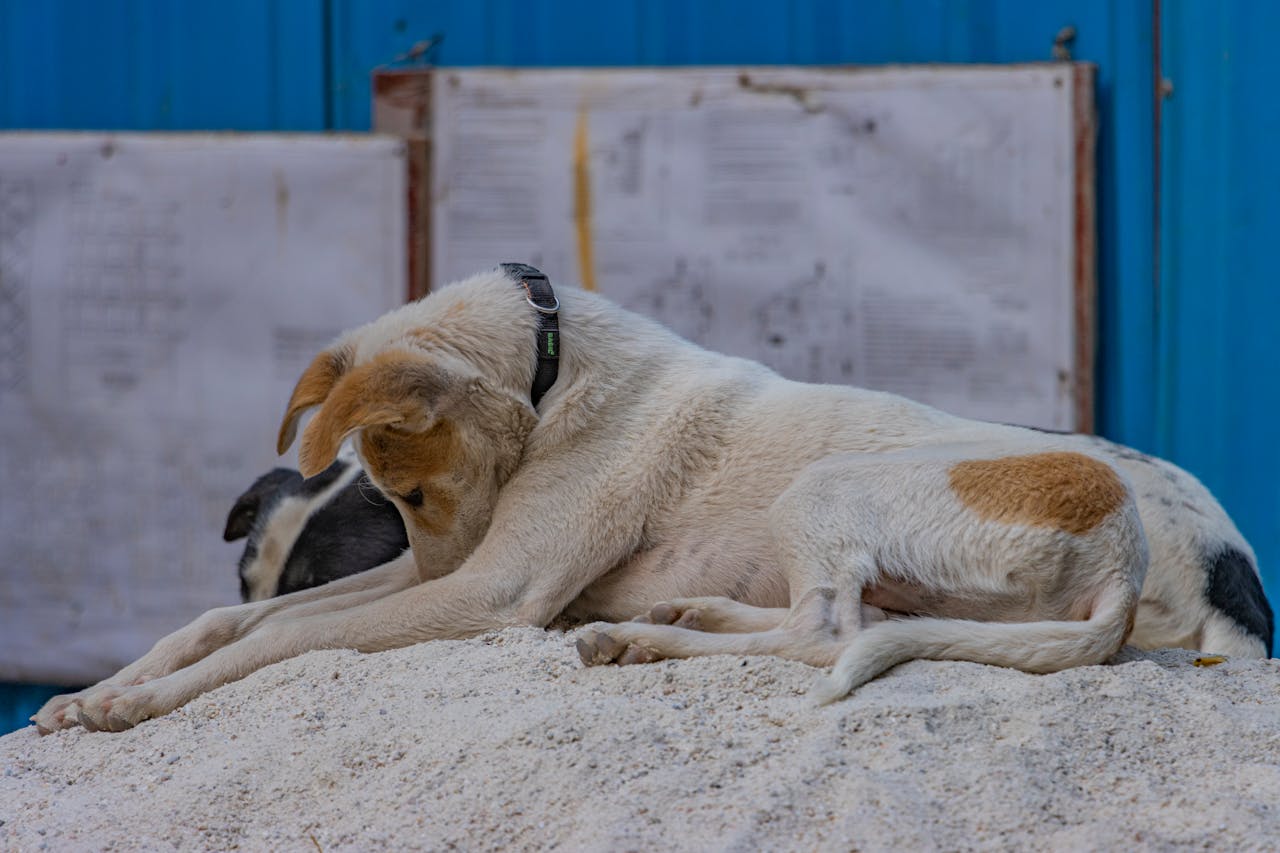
{"points": [[1067, 491]]}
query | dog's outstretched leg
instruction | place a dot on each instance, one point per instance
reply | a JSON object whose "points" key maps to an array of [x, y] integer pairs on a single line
{"points": [[716, 615], [826, 607], [220, 627], [814, 631], [711, 613]]}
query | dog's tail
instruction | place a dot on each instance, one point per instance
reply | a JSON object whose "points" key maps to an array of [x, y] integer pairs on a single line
{"points": [[1029, 646]]}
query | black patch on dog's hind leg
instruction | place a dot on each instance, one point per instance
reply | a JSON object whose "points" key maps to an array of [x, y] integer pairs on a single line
{"points": [[1232, 587]]}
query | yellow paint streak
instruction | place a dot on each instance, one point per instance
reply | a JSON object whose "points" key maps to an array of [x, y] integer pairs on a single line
{"points": [[582, 200], [282, 205]]}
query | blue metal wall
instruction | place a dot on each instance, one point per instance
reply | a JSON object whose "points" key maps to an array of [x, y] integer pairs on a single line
{"points": [[1183, 353], [1219, 303], [160, 65]]}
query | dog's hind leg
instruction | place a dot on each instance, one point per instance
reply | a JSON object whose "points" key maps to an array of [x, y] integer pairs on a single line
{"points": [[825, 583], [710, 613], [715, 614], [814, 631], [726, 616], [826, 603]]}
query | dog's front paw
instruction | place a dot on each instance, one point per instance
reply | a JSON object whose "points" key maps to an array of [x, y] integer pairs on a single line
{"points": [[114, 708], [94, 704], [58, 713], [599, 645]]}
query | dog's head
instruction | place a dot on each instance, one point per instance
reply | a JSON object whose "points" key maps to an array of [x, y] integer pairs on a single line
{"points": [[304, 533], [435, 435]]}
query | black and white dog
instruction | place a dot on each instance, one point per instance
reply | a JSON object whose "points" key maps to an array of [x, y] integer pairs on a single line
{"points": [[303, 533]]}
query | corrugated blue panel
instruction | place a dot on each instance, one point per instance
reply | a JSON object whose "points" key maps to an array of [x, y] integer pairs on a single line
{"points": [[1219, 403], [369, 33], [144, 65]]}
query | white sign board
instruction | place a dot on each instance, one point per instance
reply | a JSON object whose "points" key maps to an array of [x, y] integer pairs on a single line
{"points": [[159, 296], [907, 229]]}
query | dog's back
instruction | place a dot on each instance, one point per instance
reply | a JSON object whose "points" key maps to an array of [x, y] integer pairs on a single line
{"points": [[304, 533]]}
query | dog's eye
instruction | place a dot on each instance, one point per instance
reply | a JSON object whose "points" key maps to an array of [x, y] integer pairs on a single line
{"points": [[413, 498]]}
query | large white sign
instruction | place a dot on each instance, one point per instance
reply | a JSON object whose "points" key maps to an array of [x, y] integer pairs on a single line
{"points": [[159, 296], [916, 230]]}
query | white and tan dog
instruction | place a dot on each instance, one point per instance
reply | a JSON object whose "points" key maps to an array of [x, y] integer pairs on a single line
{"points": [[656, 471]]}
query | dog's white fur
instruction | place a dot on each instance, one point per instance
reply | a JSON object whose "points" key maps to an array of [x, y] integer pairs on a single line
{"points": [[651, 471], [891, 529]]}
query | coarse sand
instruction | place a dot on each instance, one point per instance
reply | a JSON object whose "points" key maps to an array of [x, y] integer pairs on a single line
{"points": [[506, 742]]}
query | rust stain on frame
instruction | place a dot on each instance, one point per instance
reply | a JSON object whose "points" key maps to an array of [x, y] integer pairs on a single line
{"points": [[582, 199], [282, 205]]}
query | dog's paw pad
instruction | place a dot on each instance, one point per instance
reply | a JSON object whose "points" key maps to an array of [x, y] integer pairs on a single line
{"points": [[663, 614], [127, 709], [122, 719], [638, 654], [597, 648], [49, 723], [691, 619], [94, 707], [57, 714], [666, 613]]}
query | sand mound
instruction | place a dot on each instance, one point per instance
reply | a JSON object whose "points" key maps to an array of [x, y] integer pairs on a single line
{"points": [[505, 741]]}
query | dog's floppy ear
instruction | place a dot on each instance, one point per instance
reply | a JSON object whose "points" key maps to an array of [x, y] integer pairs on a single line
{"points": [[398, 388], [240, 519], [313, 387]]}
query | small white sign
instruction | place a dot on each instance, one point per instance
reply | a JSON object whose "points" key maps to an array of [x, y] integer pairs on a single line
{"points": [[906, 229], [159, 296]]}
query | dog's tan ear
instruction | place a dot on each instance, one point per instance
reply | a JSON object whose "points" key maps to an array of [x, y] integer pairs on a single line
{"points": [[397, 388], [313, 387]]}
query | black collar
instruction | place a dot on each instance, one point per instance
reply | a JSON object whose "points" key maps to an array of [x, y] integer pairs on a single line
{"points": [[538, 292]]}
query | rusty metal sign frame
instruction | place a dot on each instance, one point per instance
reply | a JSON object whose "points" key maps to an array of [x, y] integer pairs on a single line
{"points": [[1085, 127], [402, 107]]}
